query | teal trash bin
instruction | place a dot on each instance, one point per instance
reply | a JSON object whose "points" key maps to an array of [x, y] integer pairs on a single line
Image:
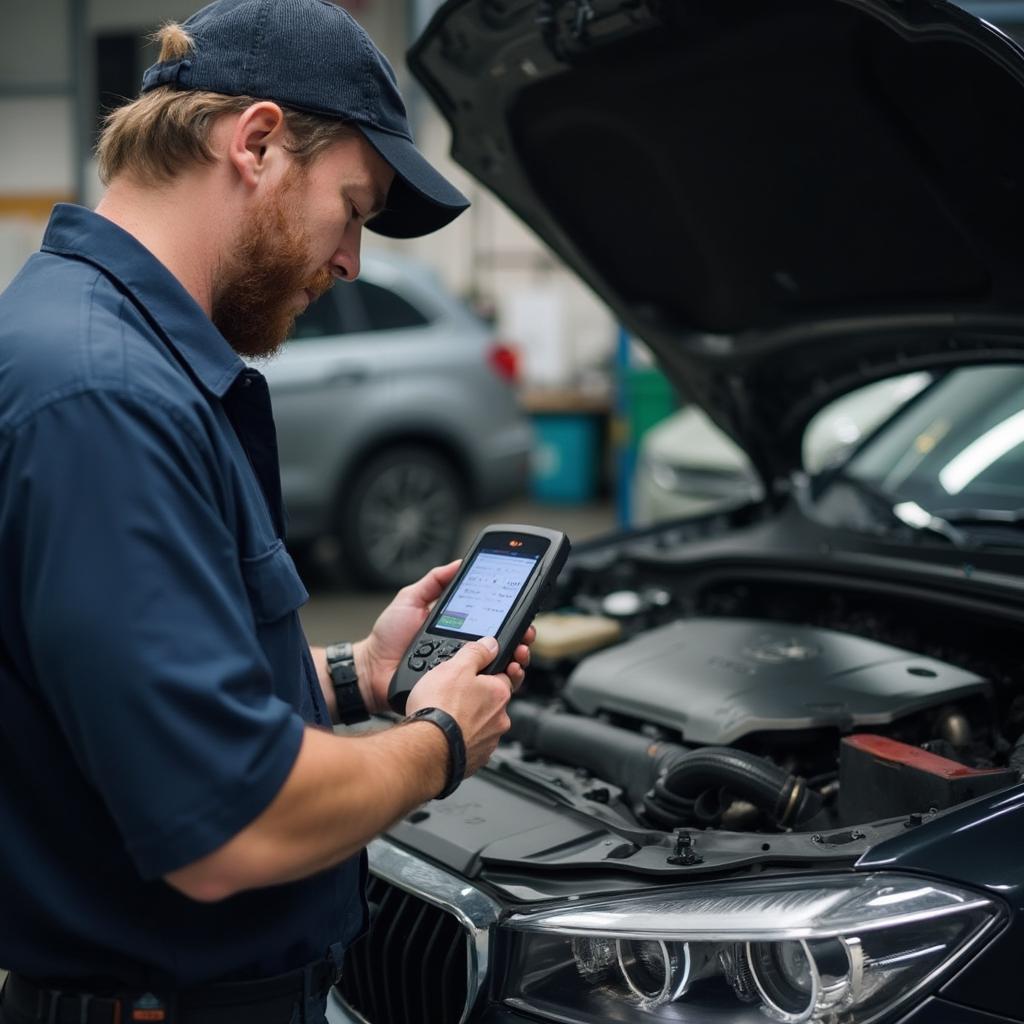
{"points": [[565, 457]]}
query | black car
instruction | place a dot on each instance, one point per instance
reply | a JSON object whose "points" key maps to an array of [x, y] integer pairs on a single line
{"points": [[768, 763]]}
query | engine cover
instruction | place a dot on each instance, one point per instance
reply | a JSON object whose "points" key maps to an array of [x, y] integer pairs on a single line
{"points": [[718, 680]]}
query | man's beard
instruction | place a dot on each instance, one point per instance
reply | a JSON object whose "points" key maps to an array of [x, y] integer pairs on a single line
{"points": [[254, 301]]}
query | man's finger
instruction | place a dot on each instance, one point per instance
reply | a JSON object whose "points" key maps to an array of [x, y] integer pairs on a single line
{"points": [[479, 653], [516, 676], [522, 655]]}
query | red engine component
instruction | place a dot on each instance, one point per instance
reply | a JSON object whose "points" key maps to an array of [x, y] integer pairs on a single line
{"points": [[883, 778]]}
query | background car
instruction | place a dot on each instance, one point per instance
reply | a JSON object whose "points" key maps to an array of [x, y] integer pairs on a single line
{"points": [[767, 763], [686, 465], [396, 415]]}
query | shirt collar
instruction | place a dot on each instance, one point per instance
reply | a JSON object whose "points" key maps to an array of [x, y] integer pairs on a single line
{"points": [[82, 234]]}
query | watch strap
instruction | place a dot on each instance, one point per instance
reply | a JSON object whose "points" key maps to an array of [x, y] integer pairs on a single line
{"points": [[456, 745], [341, 665]]}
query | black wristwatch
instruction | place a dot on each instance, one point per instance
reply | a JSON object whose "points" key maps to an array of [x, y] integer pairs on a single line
{"points": [[456, 745], [342, 668]]}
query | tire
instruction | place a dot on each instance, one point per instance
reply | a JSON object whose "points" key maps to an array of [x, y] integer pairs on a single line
{"points": [[401, 515]]}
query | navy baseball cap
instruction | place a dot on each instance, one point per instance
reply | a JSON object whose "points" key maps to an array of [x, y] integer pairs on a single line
{"points": [[312, 55]]}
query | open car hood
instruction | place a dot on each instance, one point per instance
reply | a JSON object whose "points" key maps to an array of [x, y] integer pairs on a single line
{"points": [[785, 200]]}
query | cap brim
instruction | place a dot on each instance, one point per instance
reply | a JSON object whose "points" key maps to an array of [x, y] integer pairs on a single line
{"points": [[421, 200]]}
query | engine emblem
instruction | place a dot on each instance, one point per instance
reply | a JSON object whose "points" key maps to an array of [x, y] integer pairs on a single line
{"points": [[779, 651]]}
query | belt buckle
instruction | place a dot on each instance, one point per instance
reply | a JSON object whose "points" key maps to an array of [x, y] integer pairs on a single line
{"points": [[149, 1008]]}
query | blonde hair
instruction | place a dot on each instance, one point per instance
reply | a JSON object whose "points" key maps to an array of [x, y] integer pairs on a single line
{"points": [[165, 131]]}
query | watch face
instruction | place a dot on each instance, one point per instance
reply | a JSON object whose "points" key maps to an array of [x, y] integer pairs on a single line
{"points": [[343, 672]]}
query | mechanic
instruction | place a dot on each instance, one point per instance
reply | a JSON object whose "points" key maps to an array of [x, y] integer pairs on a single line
{"points": [[182, 830]]}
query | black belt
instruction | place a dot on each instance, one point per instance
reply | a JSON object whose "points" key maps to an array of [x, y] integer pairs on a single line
{"points": [[266, 1001]]}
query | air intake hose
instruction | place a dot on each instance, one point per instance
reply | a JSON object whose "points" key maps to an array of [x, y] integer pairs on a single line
{"points": [[785, 799], [668, 779], [624, 758]]}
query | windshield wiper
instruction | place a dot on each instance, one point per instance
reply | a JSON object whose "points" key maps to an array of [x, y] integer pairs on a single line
{"points": [[983, 516], [917, 518], [903, 513]]}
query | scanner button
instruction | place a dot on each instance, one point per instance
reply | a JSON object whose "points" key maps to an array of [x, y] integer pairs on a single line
{"points": [[417, 664]]}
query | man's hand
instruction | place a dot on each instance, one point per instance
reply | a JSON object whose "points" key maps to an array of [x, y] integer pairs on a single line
{"points": [[344, 790], [477, 702], [378, 655], [321, 816]]}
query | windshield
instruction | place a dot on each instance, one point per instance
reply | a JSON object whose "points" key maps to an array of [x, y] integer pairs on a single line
{"points": [[958, 447]]}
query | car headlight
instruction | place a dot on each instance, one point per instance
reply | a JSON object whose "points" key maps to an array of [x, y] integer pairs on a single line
{"points": [[844, 948]]}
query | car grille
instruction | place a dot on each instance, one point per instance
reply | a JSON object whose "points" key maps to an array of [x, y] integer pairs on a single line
{"points": [[412, 966]]}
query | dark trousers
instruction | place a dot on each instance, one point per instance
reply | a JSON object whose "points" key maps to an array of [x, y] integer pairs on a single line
{"points": [[309, 1008]]}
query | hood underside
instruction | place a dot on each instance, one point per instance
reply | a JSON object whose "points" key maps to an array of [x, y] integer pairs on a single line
{"points": [[784, 200]]}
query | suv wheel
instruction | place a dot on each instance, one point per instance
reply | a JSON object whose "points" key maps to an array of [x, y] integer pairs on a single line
{"points": [[401, 515]]}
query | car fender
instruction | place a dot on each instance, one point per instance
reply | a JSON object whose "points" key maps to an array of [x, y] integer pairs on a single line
{"points": [[980, 844]]}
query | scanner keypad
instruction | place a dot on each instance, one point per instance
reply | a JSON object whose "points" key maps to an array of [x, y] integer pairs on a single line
{"points": [[429, 653]]}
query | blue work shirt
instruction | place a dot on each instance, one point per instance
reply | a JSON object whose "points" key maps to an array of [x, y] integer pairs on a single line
{"points": [[154, 678]]}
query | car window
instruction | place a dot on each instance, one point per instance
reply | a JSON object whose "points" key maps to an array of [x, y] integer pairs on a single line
{"points": [[839, 428], [385, 310], [356, 307], [949, 462], [961, 445], [322, 319]]}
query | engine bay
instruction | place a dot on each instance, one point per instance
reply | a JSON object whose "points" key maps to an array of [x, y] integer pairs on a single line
{"points": [[749, 705], [720, 681]]}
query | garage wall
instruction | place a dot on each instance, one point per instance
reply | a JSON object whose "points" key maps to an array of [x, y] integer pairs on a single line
{"points": [[37, 165], [38, 157], [486, 256], [36, 101], [34, 45]]}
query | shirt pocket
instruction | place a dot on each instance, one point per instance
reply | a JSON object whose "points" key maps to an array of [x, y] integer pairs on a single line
{"points": [[273, 583]]}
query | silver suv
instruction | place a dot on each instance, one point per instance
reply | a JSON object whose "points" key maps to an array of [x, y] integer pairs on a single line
{"points": [[395, 416]]}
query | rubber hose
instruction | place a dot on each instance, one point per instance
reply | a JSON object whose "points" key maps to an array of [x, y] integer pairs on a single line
{"points": [[665, 809], [626, 759], [786, 799], [709, 807], [677, 775]]}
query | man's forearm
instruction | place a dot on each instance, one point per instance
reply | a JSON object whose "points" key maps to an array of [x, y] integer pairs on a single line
{"points": [[341, 792]]}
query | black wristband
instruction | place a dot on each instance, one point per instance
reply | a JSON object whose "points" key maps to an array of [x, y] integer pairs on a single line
{"points": [[456, 746], [341, 665]]}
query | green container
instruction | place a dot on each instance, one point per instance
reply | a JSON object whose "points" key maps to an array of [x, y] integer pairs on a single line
{"points": [[649, 399], [565, 458]]}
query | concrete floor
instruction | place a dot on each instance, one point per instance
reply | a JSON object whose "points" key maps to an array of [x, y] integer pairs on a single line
{"points": [[338, 611]]}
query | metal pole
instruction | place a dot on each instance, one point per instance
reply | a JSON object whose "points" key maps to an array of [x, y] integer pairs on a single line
{"points": [[622, 434], [417, 14]]}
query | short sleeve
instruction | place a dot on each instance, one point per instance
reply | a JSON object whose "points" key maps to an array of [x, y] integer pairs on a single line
{"points": [[139, 625]]}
